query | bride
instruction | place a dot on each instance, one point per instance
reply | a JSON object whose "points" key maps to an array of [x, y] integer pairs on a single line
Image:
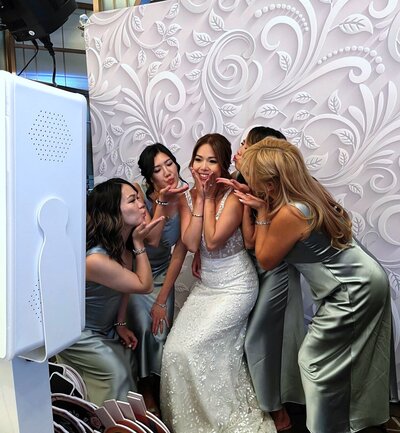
{"points": [[205, 385]]}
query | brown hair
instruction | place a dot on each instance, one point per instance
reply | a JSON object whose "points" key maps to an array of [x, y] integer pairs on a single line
{"points": [[222, 149], [104, 221], [277, 161]]}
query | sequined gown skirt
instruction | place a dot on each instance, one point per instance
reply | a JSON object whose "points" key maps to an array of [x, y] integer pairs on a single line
{"points": [[205, 385]]}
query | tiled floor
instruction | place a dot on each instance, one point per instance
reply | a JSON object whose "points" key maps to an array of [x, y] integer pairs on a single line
{"points": [[298, 417]]}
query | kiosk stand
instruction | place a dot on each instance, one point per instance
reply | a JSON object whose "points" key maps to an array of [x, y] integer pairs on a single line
{"points": [[42, 243]]}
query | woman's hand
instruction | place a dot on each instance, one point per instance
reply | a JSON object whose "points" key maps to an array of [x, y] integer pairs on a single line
{"points": [[210, 186], [196, 265], [160, 319], [252, 201], [127, 337], [142, 230], [234, 184], [169, 194], [198, 184]]}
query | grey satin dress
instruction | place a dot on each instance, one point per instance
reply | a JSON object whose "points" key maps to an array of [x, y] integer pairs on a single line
{"points": [[345, 356], [107, 368], [150, 347], [274, 335]]}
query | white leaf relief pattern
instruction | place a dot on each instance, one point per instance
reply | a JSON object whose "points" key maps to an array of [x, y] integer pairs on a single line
{"points": [[357, 189], [232, 129], [343, 157], [173, 12], [137, 24], [321, 72], [216, 22], [285, 61], [109, 61], [175, 62], [230, 110], [316, 162], [302, 97], [334, 102], [356, 23], [202, 39], [358, 223], [267, 111], [141, 58], [195, 56], [302, 115]]}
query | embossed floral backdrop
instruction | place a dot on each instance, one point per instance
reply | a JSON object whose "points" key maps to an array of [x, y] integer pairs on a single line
{"points": [[325, 72]]}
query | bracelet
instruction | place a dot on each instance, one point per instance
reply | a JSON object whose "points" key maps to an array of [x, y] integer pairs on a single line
{"points": [[120, 324], [162, 203], [263, 222], [160, 305], [139, 251], [197, 215]]}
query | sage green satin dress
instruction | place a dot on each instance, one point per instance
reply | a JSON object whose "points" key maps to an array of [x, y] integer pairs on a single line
{"points": [[107, 368], [274, 335], [150, 346], [345, 356]]}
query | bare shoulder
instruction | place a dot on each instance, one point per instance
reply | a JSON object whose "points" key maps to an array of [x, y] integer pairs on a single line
{"points": [[97, 260], [289, 211], [233, 200]]}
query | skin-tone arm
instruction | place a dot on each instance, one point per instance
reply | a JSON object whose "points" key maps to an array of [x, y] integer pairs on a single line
{"points": [[167, 195], [196, 265], [192, 226], [275, 240], [106, 271], [216, 233], [127, 337], [248, 227], [159, 314]]}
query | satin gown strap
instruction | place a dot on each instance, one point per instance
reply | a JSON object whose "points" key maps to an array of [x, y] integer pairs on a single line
{"points": [[302, 207], [222, 204], [96, 250]]}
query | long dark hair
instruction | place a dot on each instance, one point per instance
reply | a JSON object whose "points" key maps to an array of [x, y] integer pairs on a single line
{"points": [[104, 221], [222, 149], [146, 164], [258, 133]]}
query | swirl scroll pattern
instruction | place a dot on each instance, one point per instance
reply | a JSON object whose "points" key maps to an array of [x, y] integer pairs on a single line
{"points": [[325, 72]]}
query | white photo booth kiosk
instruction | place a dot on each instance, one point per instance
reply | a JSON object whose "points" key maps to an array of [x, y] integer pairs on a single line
{"points": [[42, 243]]}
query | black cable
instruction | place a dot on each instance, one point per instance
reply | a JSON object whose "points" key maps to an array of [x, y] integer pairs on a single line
{"points": [[30, 61], [46, 41]]}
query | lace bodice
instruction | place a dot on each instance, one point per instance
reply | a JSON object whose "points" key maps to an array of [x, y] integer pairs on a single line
{"points": [[233, 245]]}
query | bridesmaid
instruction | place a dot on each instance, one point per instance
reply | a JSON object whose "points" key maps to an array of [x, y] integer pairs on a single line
{"points": [[276, 325], [115, 232], [150, 316], [344, 358]]}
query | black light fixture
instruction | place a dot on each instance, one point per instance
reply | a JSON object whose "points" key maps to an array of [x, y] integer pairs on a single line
{"points": [[34, 19]]}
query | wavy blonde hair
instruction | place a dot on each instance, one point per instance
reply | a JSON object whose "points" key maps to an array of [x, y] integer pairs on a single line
{"points": [[277, 161]]}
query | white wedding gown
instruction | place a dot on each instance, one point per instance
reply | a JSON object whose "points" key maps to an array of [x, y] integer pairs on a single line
{"points": [[205, 385]]}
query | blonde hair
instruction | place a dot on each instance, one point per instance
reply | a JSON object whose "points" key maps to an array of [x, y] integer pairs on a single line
{"points": [[277, 161]]}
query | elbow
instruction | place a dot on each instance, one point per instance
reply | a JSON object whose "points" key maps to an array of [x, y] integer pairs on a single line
{"points": [[249, 245], [190, 245], [267, 264], [212, 246], [146, 289]]}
